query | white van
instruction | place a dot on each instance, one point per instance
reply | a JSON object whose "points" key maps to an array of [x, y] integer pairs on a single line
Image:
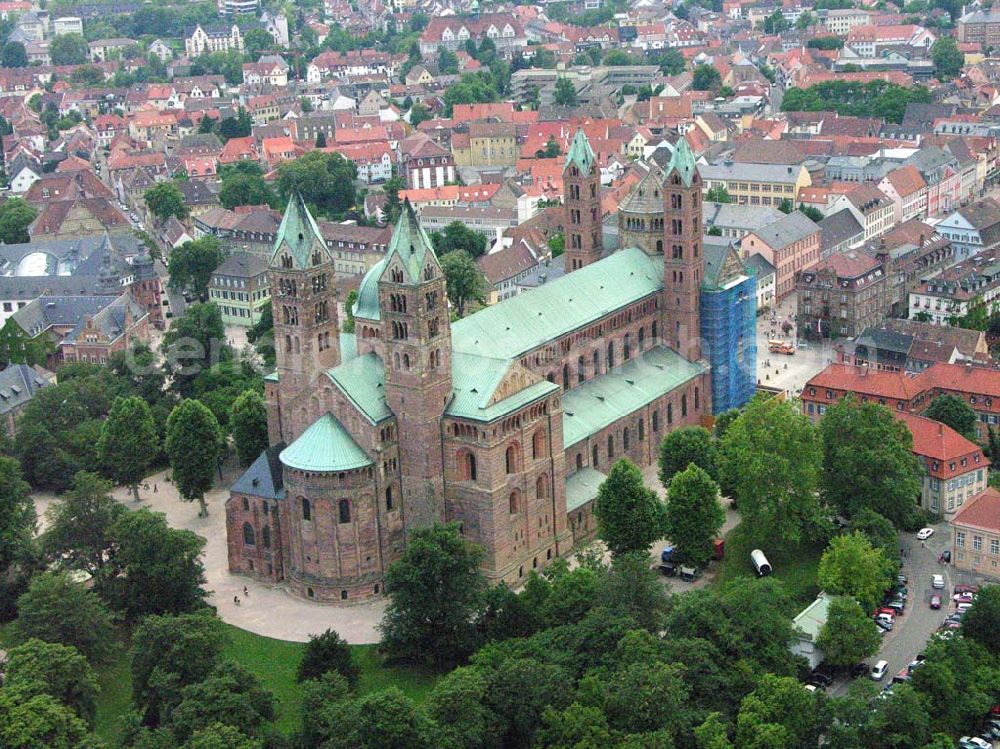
{"points": [[879, 669]]}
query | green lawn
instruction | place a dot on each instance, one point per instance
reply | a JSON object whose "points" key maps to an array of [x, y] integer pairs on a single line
{"points": [[273, 661], [794, 566]]}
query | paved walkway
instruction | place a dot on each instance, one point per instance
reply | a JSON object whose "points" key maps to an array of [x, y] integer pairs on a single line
{"points": [[270, 610], [267, 609]]}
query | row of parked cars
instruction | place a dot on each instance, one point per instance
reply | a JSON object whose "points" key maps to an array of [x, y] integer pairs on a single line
{"points": [[987, 736]]}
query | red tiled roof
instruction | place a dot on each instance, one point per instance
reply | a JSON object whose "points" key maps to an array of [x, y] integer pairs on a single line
{"points": [[906, 180], [942, 444], [862, 380], [982, 511]]}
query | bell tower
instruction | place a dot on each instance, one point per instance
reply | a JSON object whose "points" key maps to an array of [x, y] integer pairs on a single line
{"points": [[304, 305], [582, 205], [683, 261], [416, 329]]}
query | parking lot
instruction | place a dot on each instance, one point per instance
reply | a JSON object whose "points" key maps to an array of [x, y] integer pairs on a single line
{"points": [[912, 630]]}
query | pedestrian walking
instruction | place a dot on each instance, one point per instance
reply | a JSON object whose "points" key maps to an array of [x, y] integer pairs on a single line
{"points": [[154, 488], [246, 592], [236, 600]]}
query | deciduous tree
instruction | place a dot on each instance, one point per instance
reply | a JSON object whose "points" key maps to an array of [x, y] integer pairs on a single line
{"points": [[705, 78], [60, 671], [629, 515], [868, 443], [849, 635], [164, 200], [684, 446], [954, 412], [435, 586], [230, 695], [41, 721], [81, 524], [982, 622], [248, 424], [192, 264], [69, 49], [328, 652], [14, 55], [194, 445], [129, 442], [156, 569], [464, 279], [168, 654], [56, 609], [16, 216], [565, 93], [694, 515], [17, 515], [770, 459], [851, 567]]}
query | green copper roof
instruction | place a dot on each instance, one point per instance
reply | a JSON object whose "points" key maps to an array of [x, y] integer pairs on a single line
{"points": [[299, 232], [367, 306], [508, 329], [474, 380], [410, 242], [271, 376], [580, 153], [590, 407], [362, 380], [325, 447], [683, 162], [582, 486]]}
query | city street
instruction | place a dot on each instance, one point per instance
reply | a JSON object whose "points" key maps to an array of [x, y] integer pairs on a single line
{"points": [[912, 630]]}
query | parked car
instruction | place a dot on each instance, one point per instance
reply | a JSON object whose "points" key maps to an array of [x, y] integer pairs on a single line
{"points": [[935, 602], [901, 579], [924, 533], [962, 608], [688, 574], [859, 669], [898, 606], [879, 669], [974, 741], [964, 598], [820, 680], [962, 588], [668, 569], [884, 624], [937, 581]]}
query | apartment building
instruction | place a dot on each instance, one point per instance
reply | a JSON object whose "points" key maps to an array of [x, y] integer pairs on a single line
{"points": [[240, 289], [790, 244], [841, 295], [975, 535], [756, 184]]}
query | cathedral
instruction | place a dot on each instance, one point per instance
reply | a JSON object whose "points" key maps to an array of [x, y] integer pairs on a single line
{"points": [[505, 421]]}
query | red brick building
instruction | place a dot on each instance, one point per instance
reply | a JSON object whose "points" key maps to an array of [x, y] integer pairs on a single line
{"points": [[505, 421]]}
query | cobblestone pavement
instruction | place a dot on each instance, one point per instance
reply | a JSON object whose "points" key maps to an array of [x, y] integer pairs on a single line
{"points": [[781, 370]]}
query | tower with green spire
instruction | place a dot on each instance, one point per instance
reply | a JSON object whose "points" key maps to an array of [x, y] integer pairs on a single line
{"points": [[683, 259], [413, 298], [304, 304], [582, 205]]}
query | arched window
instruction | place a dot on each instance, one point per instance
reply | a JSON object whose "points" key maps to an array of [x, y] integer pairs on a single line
{"points": [[265, 536], [670, 414], [625, 438], [515, 502], [684, 405], [697, 399], [627, 347], [611, 355], [306, 509], [565, 376], [654, 331], [581, 373], [656, 421], [597, 363], [248, 536], [344, 510], [642, 429], [538, 445], [642, 338], [593, 457], [511, 459], [542, 487], [611, 446], [467, 466], [579, 461], [388, 498]]}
